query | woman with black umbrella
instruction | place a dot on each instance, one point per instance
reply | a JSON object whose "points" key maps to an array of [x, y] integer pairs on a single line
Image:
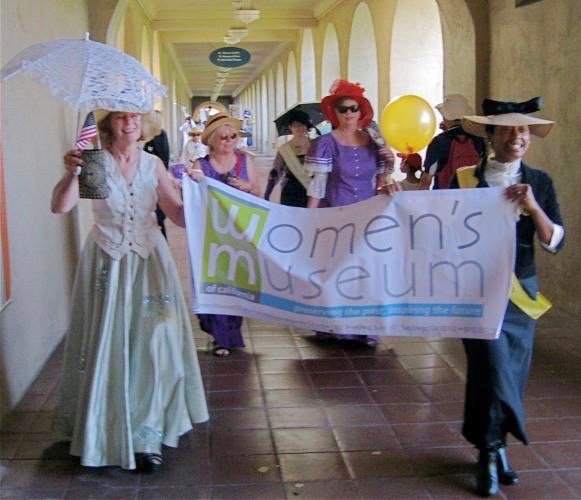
{"points": [[288, 163]]}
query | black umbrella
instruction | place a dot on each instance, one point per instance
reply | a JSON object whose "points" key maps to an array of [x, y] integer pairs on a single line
{"points": [[312, 109]]}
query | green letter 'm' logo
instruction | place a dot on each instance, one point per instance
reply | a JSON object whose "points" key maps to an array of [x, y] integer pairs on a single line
{"points": [[234, 228]]}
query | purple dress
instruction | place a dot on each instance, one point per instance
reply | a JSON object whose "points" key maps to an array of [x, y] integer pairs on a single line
{"points": [[352, 172], [226, 330]]}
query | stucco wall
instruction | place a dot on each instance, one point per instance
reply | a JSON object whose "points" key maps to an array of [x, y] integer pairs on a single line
{"points": [[37, 129], [464, 26], [44, 247], [535, 51]]}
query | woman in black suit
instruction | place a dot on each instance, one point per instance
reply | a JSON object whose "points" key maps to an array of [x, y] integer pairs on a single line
{"points": [[498, 369]]}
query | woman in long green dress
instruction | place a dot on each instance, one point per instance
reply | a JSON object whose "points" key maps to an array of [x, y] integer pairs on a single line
{"points": [[131, 380]]}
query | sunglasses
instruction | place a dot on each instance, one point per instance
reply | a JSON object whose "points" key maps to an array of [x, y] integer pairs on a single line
{"points": [[226, 137], [343, 109], [196, 135]]}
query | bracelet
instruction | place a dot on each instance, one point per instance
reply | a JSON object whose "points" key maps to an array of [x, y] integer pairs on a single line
{"points": [[77, 171]]}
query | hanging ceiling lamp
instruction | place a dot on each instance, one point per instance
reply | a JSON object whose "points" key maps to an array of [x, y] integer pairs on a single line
{"points": [[239, 33], [246, 16], [243, 12], [231, 40]]}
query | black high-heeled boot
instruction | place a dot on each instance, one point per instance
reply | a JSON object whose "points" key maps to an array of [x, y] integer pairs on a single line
{"points": [[506, 474], [487, 478]]}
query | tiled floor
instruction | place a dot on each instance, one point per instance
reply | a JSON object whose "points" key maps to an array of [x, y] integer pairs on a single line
{"points": [[292, 417]]}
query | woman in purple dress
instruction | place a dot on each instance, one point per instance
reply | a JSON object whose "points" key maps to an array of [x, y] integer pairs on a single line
{"points": [[227, 164], [347, 166]]}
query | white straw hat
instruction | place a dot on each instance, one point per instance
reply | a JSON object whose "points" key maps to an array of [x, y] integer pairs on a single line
{"points": [[454, 107], [476, 125]]}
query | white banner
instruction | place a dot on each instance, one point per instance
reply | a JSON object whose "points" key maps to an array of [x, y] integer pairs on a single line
{"points": [[427, 263]]}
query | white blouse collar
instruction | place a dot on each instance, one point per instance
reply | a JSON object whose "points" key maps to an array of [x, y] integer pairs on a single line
{"points": [[513, 167], [499, 174]]}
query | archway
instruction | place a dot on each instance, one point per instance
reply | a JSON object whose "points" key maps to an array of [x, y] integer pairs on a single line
{"points": [[211, 107], [280, 104], [330, 64], [176, 119], [291, 81], [308, 68], [145, 50], [417, 62], [156, 57], [120, 35], [271, 114], [280, 90], [263, 115], [251, 121], [363, 54], [132, 30], [464, 57]]}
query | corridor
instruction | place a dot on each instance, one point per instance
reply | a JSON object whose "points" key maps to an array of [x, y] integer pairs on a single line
{"points": [[293, 417]]}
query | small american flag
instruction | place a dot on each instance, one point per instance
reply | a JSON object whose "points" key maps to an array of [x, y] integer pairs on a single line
{"points": [[87, 133]]}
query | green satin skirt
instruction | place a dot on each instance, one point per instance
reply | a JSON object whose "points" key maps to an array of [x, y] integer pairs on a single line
{"points": [[131, 379]]}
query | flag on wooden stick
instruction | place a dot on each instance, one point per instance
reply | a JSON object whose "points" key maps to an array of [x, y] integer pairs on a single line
{"points": [[88, 132]]}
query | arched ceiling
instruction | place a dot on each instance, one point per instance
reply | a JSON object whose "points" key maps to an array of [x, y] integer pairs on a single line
{"points": [[192, 29]]}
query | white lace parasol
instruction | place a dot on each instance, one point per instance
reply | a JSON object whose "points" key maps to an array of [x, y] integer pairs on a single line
{"points": [[88, 75]]}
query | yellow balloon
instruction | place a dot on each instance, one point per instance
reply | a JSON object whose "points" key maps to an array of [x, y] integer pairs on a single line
{"points": [[408, 123]]}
